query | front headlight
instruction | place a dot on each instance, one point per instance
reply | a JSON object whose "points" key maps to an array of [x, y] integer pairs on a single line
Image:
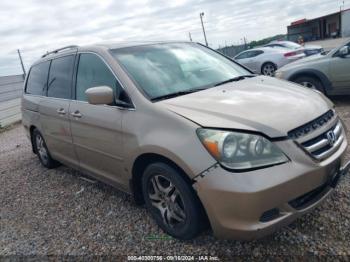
{"points": [[240, 151]]}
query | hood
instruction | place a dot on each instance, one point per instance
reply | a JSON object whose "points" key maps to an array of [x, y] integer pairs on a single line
{"points": [[261, 104]]}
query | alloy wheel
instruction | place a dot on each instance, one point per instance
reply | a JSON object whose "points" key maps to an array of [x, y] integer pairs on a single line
{"points": [[41, 148], [269, 70], [166, 198]]}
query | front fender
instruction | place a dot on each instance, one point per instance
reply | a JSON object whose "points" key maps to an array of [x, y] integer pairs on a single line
{"points": [[166, 153]]}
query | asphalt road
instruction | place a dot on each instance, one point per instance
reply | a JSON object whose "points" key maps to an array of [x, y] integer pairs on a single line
{"points": [[54, 212], [329, 44]]}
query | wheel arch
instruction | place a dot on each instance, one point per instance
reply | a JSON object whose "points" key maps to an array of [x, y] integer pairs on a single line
{"points": [[145, 159], [140, 164], [327, 85]]}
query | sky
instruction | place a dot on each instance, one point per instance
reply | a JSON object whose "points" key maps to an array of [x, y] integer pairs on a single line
{"points": [[36, 26]]}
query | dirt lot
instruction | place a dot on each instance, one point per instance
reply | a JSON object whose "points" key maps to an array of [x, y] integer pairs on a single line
{"points": [[54, 212]]}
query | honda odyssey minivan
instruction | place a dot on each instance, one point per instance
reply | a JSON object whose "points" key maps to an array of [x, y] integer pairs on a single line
{"points": [[196, 137]]}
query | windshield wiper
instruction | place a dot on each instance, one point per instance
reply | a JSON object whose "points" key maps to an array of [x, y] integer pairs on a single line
{"points": [[180, 93], [234, 79], [186, 92]]}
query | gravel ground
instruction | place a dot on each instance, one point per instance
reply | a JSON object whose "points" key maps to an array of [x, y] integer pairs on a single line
{"points": [[55, 212]]}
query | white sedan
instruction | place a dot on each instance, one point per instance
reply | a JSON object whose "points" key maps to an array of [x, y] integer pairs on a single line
{"points": [[266, 60]]}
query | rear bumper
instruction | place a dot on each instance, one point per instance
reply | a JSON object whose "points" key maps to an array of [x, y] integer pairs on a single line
{"points": [[253, 204]]}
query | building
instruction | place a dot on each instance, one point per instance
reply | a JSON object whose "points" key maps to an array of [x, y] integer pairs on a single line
{"points": [[328, 26]]}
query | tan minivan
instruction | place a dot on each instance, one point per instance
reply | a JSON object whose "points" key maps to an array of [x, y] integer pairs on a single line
{"points": [[190, 133]]}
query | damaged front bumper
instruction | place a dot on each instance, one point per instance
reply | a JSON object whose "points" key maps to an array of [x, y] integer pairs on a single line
{"points": [[253, 204]]}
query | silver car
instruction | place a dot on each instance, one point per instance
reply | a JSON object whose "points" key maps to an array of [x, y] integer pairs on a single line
{"points": [[328, 73], [267, 60]]}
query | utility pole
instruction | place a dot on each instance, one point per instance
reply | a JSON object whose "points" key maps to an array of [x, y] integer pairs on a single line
{"points": [[205, 37], [20, 58], [189, 34], [343, 6]]}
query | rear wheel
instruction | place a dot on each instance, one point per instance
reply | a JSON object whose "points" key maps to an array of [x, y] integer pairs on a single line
{"points": [[268, 69], [171, 201], [310, 82], [41, 150]]}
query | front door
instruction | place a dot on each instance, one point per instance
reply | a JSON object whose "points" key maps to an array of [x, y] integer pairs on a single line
{"points": [[97, 129], [340, 72]]}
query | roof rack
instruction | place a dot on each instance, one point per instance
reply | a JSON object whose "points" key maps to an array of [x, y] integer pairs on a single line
{"points": [[59, 50]]}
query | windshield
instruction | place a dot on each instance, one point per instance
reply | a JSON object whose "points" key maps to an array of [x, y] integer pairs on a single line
{"points": [[175, 68], [335, 50]]}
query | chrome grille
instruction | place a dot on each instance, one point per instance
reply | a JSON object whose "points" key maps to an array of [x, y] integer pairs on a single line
{"points": [[325, 144], [312, 126]]}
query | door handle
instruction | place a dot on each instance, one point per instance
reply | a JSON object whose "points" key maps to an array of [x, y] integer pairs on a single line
{"points": [[61, 111], [76, 114]]}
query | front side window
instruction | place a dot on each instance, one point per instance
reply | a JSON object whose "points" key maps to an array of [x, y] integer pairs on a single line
{"points": [[165, 69], [93, 72], [244, 55], [37, 79], [250, 54], [60, 77]]}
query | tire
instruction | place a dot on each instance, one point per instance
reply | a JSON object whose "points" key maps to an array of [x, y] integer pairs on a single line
{"points": [[42, 151], [182, 218], [268, 69], [310, 82]]}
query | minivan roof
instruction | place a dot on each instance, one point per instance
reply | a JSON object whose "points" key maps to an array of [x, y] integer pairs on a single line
{"points": [[103, 46], [117, 45]]}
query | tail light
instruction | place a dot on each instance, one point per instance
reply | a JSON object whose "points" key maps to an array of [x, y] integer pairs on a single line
{"points": [[290, 54]]}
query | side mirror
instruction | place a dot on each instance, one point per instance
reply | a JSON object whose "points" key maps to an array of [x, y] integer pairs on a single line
{"points": [[344, 51], [100, 95]]}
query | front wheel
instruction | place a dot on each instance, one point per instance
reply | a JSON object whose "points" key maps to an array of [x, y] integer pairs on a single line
{"points": [[310, 82], [268, 69], [171, 201]]}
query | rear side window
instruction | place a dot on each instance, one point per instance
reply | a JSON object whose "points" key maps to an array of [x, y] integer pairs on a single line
{"points": [[92, 72], [258, 52], [60, 77], [37, 79]]}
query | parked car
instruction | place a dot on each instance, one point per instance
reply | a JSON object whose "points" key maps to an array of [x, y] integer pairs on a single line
{"points": [[328, 73], [266, 60], [307, 49], [188, 132]]}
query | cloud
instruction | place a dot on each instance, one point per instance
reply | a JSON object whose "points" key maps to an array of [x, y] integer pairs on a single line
{"points": [[35, 26]]}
